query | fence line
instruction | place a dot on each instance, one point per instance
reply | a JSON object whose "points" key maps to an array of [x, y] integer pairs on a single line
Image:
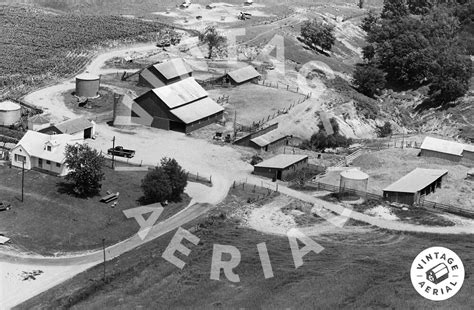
{"points": [[426, 204]]}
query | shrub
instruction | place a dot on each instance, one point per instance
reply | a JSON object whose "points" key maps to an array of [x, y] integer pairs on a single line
{"points": [[369, 80]]}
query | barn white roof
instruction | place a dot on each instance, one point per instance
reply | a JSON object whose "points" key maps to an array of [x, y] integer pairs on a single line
{"points": [[173, 68], [197, 110], [416, 180], [442, 146], [180, 93], [281, 161]]}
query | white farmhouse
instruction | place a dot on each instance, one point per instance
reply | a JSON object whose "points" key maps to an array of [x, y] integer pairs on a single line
{"points": [[39, 151]]}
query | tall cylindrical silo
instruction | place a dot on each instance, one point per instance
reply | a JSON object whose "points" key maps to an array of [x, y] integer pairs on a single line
{"points": [[10, 113]]}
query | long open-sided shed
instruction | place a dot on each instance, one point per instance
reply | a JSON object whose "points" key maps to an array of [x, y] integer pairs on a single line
{"points": [[281, 166], [415, 185], [165, 73], [243, 75], [183, 106]]}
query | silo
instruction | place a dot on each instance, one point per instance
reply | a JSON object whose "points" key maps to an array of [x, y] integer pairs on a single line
{"points": [[10, 113], [87, 85], [353, 179]]}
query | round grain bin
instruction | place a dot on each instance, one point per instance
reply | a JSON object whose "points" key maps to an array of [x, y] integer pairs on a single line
{"points": [[87, 85], [10, 113], [353, 179]]}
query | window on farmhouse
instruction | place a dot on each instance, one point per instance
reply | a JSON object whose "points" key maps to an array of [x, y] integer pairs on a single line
{"points": [[58, 165], [20, 158], [48, 148], [48, 162]]}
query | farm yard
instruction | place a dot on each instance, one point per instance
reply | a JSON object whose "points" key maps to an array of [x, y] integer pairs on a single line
{"points": [[184, 103], [252, 103], [51, 220]]}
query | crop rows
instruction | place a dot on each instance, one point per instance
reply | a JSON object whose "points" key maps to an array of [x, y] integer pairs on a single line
{"points": [[34, 45]]}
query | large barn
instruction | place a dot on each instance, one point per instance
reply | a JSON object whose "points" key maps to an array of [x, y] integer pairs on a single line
{"points": [[183, 106], [414, 186], [165, 73]]}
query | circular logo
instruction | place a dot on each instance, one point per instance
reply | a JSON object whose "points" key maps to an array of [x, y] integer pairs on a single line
{"points": [[437, 273]]}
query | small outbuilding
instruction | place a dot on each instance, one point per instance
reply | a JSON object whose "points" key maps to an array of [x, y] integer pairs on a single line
{"points": [[468, 152], [243, 75], [165, 73], [281, 166], [414, 186], [78, 127], [269, 141], [353, 179], [38, 122], [87, 85]]}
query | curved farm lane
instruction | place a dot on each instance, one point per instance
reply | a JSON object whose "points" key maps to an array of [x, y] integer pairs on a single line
{"points": [[345, 214]]}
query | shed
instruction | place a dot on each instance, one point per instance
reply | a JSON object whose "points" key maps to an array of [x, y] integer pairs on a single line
{"points": [[281, 166], [165, 73], [444, 149], [183, 106], [468, 152], [38, 122], [269, 141], [243, 75], [78, 127], [413, 187]]}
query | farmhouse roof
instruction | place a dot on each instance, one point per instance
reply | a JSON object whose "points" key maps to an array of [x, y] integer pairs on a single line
{"points": [[416, 180], [268, 138], [197, 110], [34, 143], [244, 74], [180, 93], [442, 146], [39, 119], [281, 161], [73, 126], [173, 68]]}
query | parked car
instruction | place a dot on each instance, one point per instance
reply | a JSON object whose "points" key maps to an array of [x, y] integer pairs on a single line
{"points": [[120, 151]]}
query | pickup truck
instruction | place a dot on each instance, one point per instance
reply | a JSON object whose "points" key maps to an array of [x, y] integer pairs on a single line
{"points": [[120, 151]]}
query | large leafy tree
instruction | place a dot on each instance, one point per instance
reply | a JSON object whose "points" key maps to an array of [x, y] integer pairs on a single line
{"points": [[369, 80], [393, 9], [165, 182], [419, 7], [156, 186], [317, 34], [214, 40], [177, 177], [85, 166]]}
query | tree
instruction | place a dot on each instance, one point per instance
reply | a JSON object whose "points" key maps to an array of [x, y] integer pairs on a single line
{"points": [[369, 80], [369, 21], [317, 34], [213, 39], [385, 130], [420, 7], [368, 52], [394, 9], [164, 182], [85, 166], [177, 177], [156, 186]]}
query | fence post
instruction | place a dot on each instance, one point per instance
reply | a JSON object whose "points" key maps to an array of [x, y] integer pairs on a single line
{"points": [[210, 179]]}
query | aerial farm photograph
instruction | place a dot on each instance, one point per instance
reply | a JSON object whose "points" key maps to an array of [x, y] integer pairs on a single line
{"points": [[237, 154]]}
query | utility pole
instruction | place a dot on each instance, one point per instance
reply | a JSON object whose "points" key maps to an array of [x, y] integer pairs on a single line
{"points": [[103, 249], [22, 179], [113, 153], [235, 124]]}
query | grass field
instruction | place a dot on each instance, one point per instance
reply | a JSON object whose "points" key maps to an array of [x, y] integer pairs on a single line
{"points": [[357, 271], [51, 220]]}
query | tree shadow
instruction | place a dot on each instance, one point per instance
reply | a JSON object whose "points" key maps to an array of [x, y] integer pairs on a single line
{"points": [[69, 189]]}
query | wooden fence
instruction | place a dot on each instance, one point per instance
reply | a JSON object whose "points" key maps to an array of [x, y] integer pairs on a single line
{"points": [[429, 205]]}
